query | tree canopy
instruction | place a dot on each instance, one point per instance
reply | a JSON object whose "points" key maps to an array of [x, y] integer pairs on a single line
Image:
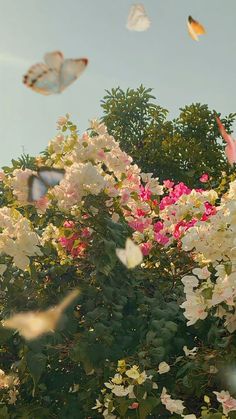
{"points": [[181, 149]]}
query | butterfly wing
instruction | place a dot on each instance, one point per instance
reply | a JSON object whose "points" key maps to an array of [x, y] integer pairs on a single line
{"points": [[138, 19], [230, 149], [50, 176], [195, 28], [42, 79], [131, 256], [54, 60], [31, 325], [37, 188], [121, 254], [70, 71]]}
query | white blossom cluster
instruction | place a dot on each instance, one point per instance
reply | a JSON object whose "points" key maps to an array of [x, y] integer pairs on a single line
{"points": [[213, 245]]}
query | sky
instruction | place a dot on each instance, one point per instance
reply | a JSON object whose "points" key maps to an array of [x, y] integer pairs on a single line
{"points": [[180, 70]]}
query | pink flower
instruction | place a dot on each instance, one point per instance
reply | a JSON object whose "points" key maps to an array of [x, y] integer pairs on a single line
{"points": [[101, 154], [79, 250], [42, 204], [140, 212], [134, 405], [175, 193], [86, 232], [2, 176], [140, 224], [209, 210], [145, 193], [179, 190], [227, 401], [158, 226], [168, 184], [125, 196], [166, 201], [183, 226], [160, 238], [204, 178], [146, 248], [69, 224]]}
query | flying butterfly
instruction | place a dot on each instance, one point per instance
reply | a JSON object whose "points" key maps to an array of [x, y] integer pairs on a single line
{"points": [[131, 256], [230, 149], [33, 324], [55, 75], [47, 177], [138, 19], [195, 28]]}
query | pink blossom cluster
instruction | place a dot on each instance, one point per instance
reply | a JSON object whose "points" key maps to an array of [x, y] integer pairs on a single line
{"points": [[73, 241], [169, 219]]}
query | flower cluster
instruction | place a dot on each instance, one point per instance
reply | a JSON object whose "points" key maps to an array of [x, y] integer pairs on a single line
{"points": [[73, 241], [212, 286], [9, 383], [17, 238], [124, 384]]}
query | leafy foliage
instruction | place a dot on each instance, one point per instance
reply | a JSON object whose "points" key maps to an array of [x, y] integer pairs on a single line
{"points": [[182, 149]]}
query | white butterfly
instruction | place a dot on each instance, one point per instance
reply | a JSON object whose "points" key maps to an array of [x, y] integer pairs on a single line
{"points": [[131, 256], [33, 324], [138, 19], [54, 76], [47, 177]]}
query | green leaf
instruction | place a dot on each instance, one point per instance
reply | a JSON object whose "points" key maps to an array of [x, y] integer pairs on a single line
{"points": [[4, 413], [36, 363], [123, 405], [147, 406]]}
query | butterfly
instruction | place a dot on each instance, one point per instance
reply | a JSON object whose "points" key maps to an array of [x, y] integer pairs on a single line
{"points": [[33, 324], [195, 28], [47, 177], [138, 19], [54, 76], [230, 149], [131, 256]]}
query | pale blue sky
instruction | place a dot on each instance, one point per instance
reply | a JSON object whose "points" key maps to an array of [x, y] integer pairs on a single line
{"points": [[180, 70]]}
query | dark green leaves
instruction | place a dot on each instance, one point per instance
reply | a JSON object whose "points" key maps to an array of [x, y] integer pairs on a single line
{"points": [[36, 363]]}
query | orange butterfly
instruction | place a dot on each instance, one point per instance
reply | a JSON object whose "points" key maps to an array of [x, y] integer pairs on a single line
{"points": [[195, 28]]}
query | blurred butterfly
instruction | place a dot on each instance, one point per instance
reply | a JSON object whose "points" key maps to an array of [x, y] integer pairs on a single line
{"points": [[195, 28], [47, 178], [230, 149], [33, 324], [131, 256], [54, 76], [138, 19]]}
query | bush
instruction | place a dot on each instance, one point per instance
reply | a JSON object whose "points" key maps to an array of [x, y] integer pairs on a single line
{"points": [[147, 342]]}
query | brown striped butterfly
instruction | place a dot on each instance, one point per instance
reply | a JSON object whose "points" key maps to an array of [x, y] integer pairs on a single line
{"points": [[55, 75]]}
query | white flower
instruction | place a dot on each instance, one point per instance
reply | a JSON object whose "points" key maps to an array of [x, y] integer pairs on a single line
{"points": [[133, 372], [163, 367], [98, 406], [191, 353], [120, 391], [117, 379], [202, 273], [174, 406], [62, 120]]}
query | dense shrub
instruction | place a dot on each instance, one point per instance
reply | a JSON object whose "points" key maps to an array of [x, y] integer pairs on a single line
{"points": [[155, 341]]}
